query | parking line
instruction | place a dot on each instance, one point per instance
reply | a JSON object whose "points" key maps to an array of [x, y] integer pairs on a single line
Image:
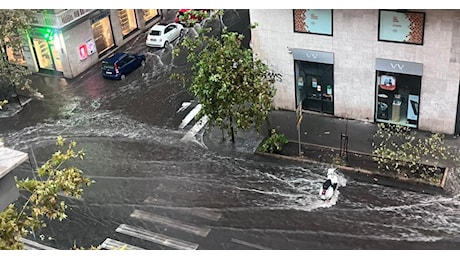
{"points": [[156, 238], [189, 117], [112, 244], [241, 242], [206, 213], [203, 232], [32, 245]]}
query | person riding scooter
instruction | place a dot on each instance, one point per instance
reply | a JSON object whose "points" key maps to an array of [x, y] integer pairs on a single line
{"points": [[330, 185]]}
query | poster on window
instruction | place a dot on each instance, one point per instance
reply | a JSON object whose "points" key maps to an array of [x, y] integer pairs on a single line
{"points": [[315, 21], [398, 26]]}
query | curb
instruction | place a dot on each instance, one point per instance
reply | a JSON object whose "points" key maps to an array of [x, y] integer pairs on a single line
{"points": [[373, 177]]}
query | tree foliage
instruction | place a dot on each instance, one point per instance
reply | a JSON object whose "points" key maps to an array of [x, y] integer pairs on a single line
{"points": [[54, 179], [397, 150], [14, 26], [231, 83]]}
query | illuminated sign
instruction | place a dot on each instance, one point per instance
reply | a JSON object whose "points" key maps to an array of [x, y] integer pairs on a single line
{"points": [[83, 51]]}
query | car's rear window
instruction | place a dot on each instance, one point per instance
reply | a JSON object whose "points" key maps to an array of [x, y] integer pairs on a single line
{"points": [[155, 33], [106, 65]]}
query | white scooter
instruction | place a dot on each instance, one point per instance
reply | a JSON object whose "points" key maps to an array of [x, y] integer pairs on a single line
{"points": [[329, 186]]}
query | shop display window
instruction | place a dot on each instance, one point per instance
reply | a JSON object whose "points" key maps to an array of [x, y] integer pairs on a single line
{"points": [[127, 21], [15, 54], [149, 14], [397, 100], [102, 33], [314, 86]]}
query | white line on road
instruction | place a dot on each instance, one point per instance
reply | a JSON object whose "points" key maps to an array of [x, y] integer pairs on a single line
{"points": [[156, 238], [139, 214], [241, 242], [32, 245], [199, 212], [184, 106], [189, 117], [112, 244]]}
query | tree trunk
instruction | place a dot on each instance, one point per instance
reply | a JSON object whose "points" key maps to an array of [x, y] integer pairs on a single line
{"points": [[269, 126], [231, 129]]}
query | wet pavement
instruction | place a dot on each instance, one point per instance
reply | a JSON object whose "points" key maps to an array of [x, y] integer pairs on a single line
{"points": [[156, 190]]}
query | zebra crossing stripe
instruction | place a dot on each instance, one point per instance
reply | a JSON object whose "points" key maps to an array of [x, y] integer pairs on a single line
{"points": [[32, 245], [241, 242], [206, 213], [189, 117], [139, 214], [112, 244], [156, 238], [199, 212]]}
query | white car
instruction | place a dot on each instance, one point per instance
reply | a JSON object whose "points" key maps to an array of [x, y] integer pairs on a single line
{"points": [[161, 35]]}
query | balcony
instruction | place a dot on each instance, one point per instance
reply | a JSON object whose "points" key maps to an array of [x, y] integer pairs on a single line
{"points": [[58, 21]]}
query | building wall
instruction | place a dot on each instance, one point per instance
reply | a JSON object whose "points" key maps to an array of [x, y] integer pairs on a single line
{"points": [[355, 46], [72, 39]]}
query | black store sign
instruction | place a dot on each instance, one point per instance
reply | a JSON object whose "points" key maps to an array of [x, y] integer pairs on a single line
{"points": [[100, 15]]}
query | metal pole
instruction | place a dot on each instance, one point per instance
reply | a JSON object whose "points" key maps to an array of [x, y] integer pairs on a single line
{"points": [[298, 136]]}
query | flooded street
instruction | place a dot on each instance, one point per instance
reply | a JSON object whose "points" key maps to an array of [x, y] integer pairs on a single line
{"points": [[156, 190]]}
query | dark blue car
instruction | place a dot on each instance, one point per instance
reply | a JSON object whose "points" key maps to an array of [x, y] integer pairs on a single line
{"points": [[121, 64]]}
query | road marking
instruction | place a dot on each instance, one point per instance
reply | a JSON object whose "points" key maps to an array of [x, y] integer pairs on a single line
{"points": [[189, 117], [206, 213], [32, 245], [139, 214], [184, 106], [241, 242], [156, 238], [112, 244], [199, 212]]}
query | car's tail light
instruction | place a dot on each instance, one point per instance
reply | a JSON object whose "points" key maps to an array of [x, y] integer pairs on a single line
{"points": [[116, 69]]}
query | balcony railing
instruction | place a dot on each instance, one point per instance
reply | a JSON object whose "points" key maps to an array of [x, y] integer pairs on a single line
{"points": [[61, 19]]}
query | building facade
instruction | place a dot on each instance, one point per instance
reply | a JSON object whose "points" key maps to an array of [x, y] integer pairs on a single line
{"points": [[67, 42], [392, 66]]}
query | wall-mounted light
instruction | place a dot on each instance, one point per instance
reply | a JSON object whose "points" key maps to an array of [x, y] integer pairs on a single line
{"points": [[289, 50]]}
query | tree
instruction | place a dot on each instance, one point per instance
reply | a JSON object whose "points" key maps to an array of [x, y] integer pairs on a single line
{"points": [[43, 193], [398, 151], [14, 26], [234, 87]]}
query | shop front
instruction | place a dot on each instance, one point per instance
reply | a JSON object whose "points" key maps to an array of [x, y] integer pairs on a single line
{"points": [[314, 84], [102, 32], [398, 85], [45, 48]]}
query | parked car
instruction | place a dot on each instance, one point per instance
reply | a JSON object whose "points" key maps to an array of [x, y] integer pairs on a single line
{"points": [[161, 35], [182, 12], [119, 65]]}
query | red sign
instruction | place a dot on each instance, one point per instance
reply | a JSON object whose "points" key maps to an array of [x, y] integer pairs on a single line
{"points": [[83, 51]]}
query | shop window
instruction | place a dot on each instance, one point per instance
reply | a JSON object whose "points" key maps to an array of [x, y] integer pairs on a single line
{"points": [[398, 98], [102, 33], [314, 21], [15, 54], [315, 86], [401, 26], [127, 21], [43, 54], [149, 14]]}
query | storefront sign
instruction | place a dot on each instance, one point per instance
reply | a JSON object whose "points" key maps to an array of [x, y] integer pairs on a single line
{"points": [[313, 56], [91, 46], [83, 51], [100, 15], [397, 66]]}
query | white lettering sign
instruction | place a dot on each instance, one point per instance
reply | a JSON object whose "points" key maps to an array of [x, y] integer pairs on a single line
{"points": [[399, 66], [311, 55]]}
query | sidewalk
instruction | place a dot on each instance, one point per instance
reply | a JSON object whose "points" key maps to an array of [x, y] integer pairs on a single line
{"points": [[13, 107]]}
